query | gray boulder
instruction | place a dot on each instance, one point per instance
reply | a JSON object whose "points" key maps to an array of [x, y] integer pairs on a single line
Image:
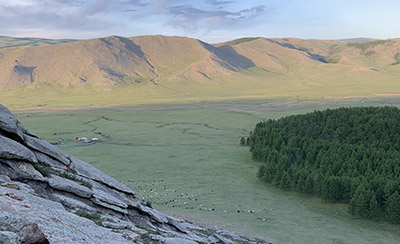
{"points": [[9, 237], [155, 214], [20, 170], [46, 160], [172, 240], [109, 206], [30, 172], [27, 231], [177, 224], [57, 224], [74, 203], [10, 124], [107, 198], [128, 199], [4, 178], [86, 170], [71, 186], [223, 240], [46, 148], [232, 236], [11, 149]]}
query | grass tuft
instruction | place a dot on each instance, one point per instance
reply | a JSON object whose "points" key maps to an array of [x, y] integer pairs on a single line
{"points": [[45, 170], [74, 178], [95, 217]]}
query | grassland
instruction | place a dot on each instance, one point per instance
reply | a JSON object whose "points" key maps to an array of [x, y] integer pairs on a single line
{"points": [[187, 161], [117, 71], [238, 41], [365, 45], [254, 84]]}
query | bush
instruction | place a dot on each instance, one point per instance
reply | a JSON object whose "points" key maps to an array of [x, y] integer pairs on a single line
{"points": [[148, 204], [95, 217], [74, 178], [333, 59], [45, 170]]}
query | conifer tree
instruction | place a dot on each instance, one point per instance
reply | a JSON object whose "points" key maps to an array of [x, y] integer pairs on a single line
{"points": [[347, 155], [393, 208]]}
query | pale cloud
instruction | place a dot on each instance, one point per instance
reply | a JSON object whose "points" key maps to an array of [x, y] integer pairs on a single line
{"points": [[219, 2], [190, 18], [58, 18]]}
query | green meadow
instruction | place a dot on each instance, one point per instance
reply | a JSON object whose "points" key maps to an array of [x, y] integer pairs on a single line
{"points": [[186, 161]]}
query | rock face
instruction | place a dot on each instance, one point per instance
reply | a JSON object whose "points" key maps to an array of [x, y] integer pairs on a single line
{"points": [[47, 196]]}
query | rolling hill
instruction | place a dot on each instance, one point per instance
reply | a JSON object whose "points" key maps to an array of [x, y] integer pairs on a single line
{"points": [[7, 41], [356, 40], [151, 69]]}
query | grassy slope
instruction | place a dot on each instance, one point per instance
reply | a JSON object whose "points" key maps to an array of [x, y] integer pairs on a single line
{"points": [[257, 84], [181, 70], [172, 148]]}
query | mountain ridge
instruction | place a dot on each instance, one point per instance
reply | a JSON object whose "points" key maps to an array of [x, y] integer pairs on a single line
{"points": [[8, 41], [170, 67]]}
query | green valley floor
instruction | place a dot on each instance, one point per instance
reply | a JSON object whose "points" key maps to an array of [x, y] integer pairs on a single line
{"points": [[186, 160]]}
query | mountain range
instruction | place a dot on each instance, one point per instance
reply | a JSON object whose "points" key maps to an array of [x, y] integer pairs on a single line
{"points": [[116, 70]]}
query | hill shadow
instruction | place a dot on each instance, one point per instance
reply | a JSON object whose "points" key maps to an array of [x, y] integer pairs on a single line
{"points": [[229, 55], [313, 56], [130, 46], [25, 71]]}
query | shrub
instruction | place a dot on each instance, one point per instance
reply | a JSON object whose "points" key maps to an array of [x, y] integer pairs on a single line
{"points": [[95, 217], [74, 178], [45, 170]]}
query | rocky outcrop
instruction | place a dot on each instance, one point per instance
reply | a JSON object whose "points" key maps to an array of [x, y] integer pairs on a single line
{"points": [[47, 196], [15, 229]]}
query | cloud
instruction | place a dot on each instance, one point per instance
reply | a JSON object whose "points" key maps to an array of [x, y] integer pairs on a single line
{"points": [[138, 3], [107, 17], [191, 18], [219, 2], [53, 14], [250, 12]]}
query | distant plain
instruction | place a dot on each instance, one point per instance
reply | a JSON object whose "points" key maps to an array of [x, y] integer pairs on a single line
{"points": [[187, 161]]}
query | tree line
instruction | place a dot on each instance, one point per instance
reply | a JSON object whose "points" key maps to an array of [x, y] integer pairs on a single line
{"points": [[346, 155]]}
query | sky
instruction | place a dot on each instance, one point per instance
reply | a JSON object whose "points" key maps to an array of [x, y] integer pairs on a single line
{"points": [[209, 20]]}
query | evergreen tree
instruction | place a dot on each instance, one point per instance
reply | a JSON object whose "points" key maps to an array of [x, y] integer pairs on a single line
{"points": [[285, 181], [393, 208], [309, 185], [347, 155], [373, 208], [242, 141]]}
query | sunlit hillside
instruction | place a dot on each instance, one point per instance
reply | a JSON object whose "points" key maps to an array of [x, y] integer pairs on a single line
{"points": [[157, 69]]}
